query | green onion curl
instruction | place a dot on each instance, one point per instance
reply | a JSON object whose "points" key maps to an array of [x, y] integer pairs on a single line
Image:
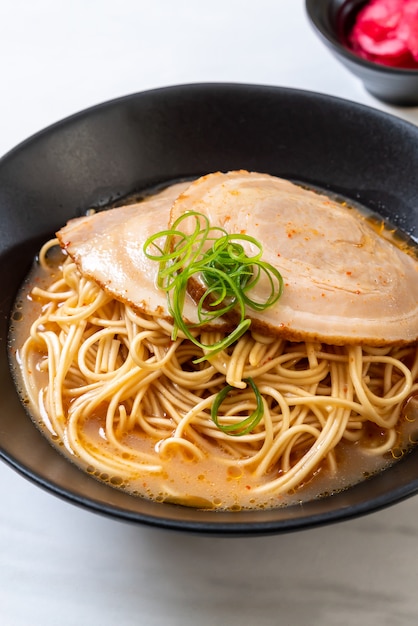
{"points": [[246, 425], [228, 273]]}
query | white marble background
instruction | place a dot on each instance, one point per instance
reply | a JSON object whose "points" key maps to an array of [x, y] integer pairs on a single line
{"points": [[63, 566]]}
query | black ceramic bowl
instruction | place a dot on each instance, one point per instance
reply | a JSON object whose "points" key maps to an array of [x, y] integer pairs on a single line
{"points": [[332, 20], [136, 142]]}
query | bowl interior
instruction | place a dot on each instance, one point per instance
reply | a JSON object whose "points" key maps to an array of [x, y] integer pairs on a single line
{"points": [[137, 142], [334, 18]]}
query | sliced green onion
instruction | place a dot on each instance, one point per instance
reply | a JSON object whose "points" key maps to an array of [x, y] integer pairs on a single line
{"points": [[246, 425], [227, 271], [229, 274]]}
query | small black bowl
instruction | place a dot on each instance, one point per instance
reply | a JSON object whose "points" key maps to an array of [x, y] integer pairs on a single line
{"points": [[332, 20], [135, 143]]}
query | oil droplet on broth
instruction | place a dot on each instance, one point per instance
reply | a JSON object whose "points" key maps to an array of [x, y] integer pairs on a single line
{"points": [[117, 481], [234, 472]]}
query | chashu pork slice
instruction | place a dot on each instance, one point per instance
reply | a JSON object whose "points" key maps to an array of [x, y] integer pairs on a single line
{"points": [[108, 248], [343, 282]]}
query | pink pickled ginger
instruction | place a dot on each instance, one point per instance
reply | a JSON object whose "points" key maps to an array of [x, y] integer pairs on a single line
{"points": [[386, 32]]}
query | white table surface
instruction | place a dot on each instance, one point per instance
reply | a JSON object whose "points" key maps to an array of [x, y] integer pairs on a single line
{"points": [[64, 566]]}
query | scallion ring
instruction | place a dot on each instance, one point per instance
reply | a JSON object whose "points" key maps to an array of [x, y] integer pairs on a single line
{"points": [[220, 261], [246, 425]]}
